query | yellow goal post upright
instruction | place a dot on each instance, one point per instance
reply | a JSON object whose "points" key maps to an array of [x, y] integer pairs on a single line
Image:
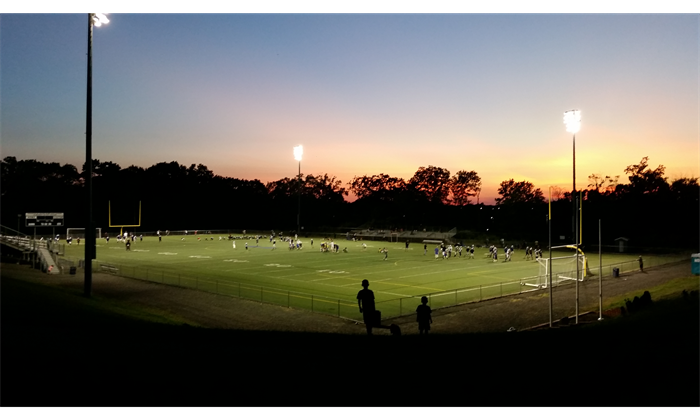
{"points": [[584, 260], [121, 227]]}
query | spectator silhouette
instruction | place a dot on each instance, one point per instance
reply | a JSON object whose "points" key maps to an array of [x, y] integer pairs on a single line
{"points": [[423, 316], [365, 299]]}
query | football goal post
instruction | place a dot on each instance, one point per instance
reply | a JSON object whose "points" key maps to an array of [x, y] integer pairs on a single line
{"points": [[121, 230]]}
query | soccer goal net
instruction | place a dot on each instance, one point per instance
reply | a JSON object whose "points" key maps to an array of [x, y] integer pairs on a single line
{"points": [[80, 233], [561, 269]]}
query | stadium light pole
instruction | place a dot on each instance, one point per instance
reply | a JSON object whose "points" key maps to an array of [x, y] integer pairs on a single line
{"points": [[94, 19], [572, 120], [298, 152]]}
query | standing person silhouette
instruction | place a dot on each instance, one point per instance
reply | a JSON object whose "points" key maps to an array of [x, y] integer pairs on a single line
{"points": [[365, 299], [423, 316]]}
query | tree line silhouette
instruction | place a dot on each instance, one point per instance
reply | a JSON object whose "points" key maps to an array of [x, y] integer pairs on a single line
{"points": [[648, 209]]}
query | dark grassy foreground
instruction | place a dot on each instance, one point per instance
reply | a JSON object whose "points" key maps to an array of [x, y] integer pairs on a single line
{"points": [[60, 349]]}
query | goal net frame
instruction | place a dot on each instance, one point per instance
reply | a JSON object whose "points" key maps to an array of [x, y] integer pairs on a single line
{"points": [[81, 234], [121, 227], [394, 237], [562, 269]]}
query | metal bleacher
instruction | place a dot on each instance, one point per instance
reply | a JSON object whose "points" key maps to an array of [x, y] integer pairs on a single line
{"points": [[29, 246], [402, 236]]}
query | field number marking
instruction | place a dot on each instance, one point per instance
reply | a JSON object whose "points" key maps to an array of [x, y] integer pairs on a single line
{"points": [[235, 260], [199, 256], [167, 253], [277, 265], [333, 272]]}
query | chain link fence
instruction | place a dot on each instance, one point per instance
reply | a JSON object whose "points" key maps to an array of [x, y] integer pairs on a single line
{"points": [[349, 309]]}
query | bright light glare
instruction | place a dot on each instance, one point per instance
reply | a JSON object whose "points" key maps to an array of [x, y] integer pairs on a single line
{"points": [[572, 119], [298, 151], [99, 18]]}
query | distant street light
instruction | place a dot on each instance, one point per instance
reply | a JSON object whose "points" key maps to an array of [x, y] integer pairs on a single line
{"points": [[298, 152], [572, 120], [94, 19]]}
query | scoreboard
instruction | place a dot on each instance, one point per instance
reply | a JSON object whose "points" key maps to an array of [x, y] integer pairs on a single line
{"points": [[44, 219]]}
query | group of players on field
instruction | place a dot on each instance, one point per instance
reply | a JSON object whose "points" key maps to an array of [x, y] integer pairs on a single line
{"points": [[448, 251], [530, 253], [328, 245]]}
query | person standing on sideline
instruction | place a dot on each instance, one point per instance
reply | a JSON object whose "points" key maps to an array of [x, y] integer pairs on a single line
{"points": [[423, 316], [425, 249], [641, 263], [406, 244], [365, 300]]}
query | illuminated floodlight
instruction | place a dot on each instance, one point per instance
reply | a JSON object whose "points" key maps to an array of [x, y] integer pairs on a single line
{"points": [[99, 18], [298, 151], [94, 19], [572, 119]]}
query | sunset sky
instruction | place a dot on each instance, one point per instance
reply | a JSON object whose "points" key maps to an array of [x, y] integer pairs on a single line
{"points": [[363, 93]]}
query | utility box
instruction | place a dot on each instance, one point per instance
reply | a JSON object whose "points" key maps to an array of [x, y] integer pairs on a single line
{"points": [[695, 263]]}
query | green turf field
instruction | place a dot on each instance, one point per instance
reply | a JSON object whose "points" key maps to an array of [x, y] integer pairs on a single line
{"points": [[326, 281]]}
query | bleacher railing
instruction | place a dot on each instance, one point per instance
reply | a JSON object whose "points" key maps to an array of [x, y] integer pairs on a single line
{"points": [[25, 242]]}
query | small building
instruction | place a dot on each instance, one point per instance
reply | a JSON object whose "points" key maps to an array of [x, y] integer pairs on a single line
{"points": [[621, 244]]}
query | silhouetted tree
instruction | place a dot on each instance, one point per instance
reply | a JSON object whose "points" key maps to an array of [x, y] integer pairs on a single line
{"points": [[282, 188], [685, 189], [601, 183], [648, 209], [558, 193], [323, 187], [380, 187], [519, 192], [433, 182], [646, 181], [463, 185], [167, 172]]}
